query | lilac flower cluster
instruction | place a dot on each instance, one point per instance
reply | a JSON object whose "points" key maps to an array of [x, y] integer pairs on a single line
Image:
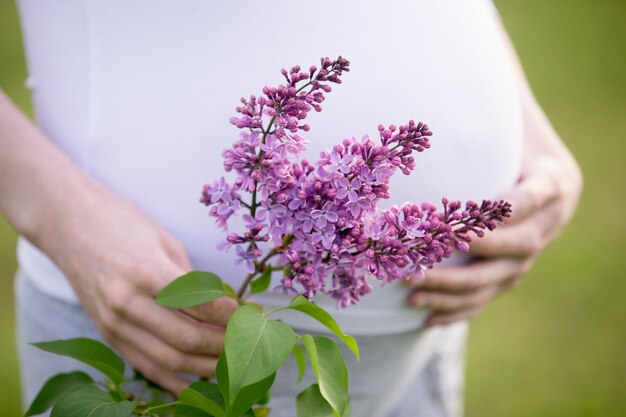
{"points": [[318, 223]]}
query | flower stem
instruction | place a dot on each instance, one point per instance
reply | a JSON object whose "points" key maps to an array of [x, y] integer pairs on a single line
{"points": [[253, 205], [252, 275]]}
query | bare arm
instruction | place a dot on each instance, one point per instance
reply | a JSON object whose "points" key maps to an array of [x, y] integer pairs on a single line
{"points": [[544, 200], [116, 258]]}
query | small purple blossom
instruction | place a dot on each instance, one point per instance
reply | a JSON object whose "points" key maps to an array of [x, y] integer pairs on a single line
{"points": [[247, 258], [347, 188], [339, 163], [325, 215]]}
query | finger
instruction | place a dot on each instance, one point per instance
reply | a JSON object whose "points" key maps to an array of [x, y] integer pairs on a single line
{"points": [[449, 303], [520, 240], [525, 239], [164, 378], [469, 277], [536, 190], [162, 354], [443, 319], [215, 312], [173, 327]]}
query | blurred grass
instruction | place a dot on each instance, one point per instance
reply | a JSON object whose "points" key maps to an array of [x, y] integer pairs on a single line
{"points": [[557, 345], [12, 76]]}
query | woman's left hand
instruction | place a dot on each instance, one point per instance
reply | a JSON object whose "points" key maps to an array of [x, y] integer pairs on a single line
{"points": [[543, 202]]}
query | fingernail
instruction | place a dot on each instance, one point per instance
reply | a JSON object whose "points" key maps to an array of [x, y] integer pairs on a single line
{"points": [[410, 281]]}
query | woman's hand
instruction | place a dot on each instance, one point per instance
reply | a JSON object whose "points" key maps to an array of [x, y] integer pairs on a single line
{"points": [[543, 202], [117, 261]]}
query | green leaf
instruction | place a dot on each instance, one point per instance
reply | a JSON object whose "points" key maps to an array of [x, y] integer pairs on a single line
{"points": [[54, 388], [191, 289], [261, 283], [230, 291], [89, 351], [348, 412], [249, 396], [204, 395], [310, 403], [183, 410], [90, 401], [265, 399], [255, 348], [301, 304], [298, 354], [330, 370], [221, 373]]}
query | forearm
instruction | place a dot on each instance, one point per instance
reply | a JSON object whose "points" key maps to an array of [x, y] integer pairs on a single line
{"points": [[543, 200], [540, 137], [38, 183], [543, 146]]}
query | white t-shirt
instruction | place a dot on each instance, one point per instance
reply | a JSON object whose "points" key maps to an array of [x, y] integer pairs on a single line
{"points": [[139, 94]]}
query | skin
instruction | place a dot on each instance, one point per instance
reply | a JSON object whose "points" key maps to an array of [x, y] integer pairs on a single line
{"points": [[116, 258], [543, 202]]}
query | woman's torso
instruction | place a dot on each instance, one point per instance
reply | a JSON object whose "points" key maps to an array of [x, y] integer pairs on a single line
{"points": [[139, 94]]}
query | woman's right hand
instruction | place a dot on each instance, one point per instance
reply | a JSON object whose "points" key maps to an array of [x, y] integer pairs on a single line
{"points": [[116, 258]]}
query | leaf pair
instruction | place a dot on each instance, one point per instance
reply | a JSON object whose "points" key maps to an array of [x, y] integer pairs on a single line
{"points": [[55, 388], [75, 392], [202, 399], [254, 349], [91, 401], [330, 370]]}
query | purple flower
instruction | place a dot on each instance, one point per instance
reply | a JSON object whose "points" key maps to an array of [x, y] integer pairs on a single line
{"points": [[319, 221], [327, 214], [305, 220], [223, 211], [356, 207], [286, 286], [258, 221], [247, 258], [347, 188], [324, 235], [219, 191], [374, 230], [339, 163]]}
